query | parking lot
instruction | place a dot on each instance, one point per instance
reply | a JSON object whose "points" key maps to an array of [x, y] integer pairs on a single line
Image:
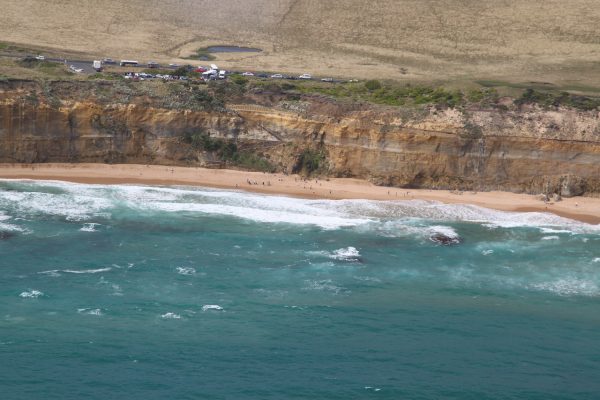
{"points": [[133, 70]]}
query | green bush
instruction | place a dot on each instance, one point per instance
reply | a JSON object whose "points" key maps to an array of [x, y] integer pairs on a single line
{"points": [[239, 80], [310, 162], [253, 161], [206, 101], [564, 99], [373, 85], [227, 151]]}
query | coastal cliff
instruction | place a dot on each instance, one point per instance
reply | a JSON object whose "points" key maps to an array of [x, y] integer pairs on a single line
{"points": [[520, 149]]}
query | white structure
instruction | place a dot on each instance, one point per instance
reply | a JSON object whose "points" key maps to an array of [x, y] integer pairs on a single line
{"points": [[97, 65]]}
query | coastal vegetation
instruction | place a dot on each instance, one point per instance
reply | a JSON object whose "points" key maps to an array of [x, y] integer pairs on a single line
{"points": [[408, 95], [311, 162], [562, 99], [227, 151]]}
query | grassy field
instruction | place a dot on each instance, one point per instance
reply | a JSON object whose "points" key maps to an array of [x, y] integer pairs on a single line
{"points": [[494, 42]]}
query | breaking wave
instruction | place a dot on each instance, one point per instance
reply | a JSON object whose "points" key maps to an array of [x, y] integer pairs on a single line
{"points": [[82, 202], [31, 294], [346, 254], [212, 307], [170, 315]]}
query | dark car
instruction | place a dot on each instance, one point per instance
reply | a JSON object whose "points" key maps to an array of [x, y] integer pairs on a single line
{"points": [[262, 75]]}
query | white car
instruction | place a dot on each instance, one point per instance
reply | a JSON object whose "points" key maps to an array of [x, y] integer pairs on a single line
{"points": [[305, 76], [248, 74], [277, 76], [40, 57]]}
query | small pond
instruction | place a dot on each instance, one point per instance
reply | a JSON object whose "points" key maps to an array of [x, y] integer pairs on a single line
{"points": [[232, 49]]}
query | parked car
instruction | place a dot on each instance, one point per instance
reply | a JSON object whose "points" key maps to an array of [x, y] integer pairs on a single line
{"points": [[108, 61], [262, 75], [174, 65], [305, 76], [327, 80], [153, 64], [248, 74], [40, 57], [277, 76]]}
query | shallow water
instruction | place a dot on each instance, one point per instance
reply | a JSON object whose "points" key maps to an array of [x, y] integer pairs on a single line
{"points": [[177, 292], [232, 49]]}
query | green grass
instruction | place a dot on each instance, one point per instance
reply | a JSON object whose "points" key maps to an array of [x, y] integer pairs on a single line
{"points": [[391, 94], [407, 95]]}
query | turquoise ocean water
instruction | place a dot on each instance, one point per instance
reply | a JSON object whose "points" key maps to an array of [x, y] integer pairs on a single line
{"points": [[133, 292]]}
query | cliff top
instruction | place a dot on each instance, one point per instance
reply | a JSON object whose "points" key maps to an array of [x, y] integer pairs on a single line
{"points": [[426, 40]]}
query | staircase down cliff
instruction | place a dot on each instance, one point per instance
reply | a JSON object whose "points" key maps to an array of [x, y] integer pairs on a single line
{"points": [[525, 149]]}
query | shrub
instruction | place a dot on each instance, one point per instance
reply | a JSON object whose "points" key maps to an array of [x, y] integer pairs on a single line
{"points": [[373, 85], [239, 80], [227, 151], [310, 161], [565, 99]]}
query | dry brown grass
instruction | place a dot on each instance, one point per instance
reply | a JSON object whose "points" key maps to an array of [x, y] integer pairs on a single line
{"points": [[447, 40]]}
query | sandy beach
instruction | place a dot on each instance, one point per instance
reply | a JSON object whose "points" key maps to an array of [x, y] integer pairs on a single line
{"points": [[583, 209]]}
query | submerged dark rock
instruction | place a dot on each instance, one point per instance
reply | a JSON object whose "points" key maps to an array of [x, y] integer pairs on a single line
{"points": [[445, 240], [6, 235]]}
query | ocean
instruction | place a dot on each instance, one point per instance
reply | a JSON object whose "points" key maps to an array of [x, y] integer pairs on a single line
{"points": [[140, 292]]}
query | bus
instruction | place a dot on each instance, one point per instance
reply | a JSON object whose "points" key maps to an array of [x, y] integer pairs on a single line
{"points": [[125, 63]]}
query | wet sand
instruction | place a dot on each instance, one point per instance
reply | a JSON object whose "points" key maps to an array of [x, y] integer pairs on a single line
{"points": [[583, 209]]}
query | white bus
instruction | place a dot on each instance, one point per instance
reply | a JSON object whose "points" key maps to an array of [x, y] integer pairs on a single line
{"points": [[125, 63]]}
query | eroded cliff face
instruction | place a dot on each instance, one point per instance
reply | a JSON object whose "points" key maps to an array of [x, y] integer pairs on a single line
{"points": [[523, 150]]}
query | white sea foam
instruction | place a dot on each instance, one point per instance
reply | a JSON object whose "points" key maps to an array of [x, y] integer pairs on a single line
{"points": [[569, 287], [551, 238], [53, 273], [265, 215], [89, 227], [346, 254], [31, 294], [90, 311], [596, 260], [551, 230], [74, 202], [487, 252], [443, 230], [325, 285], [86, 271], [82, 202], [186, 270], [212, 307], [170, 315], [7, 227]]}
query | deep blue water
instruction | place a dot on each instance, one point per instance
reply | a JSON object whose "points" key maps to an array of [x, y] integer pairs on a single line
{"points": [[132, 292]]}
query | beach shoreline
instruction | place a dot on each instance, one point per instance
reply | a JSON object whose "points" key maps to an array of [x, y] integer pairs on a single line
{"points": [[583, 209]]}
